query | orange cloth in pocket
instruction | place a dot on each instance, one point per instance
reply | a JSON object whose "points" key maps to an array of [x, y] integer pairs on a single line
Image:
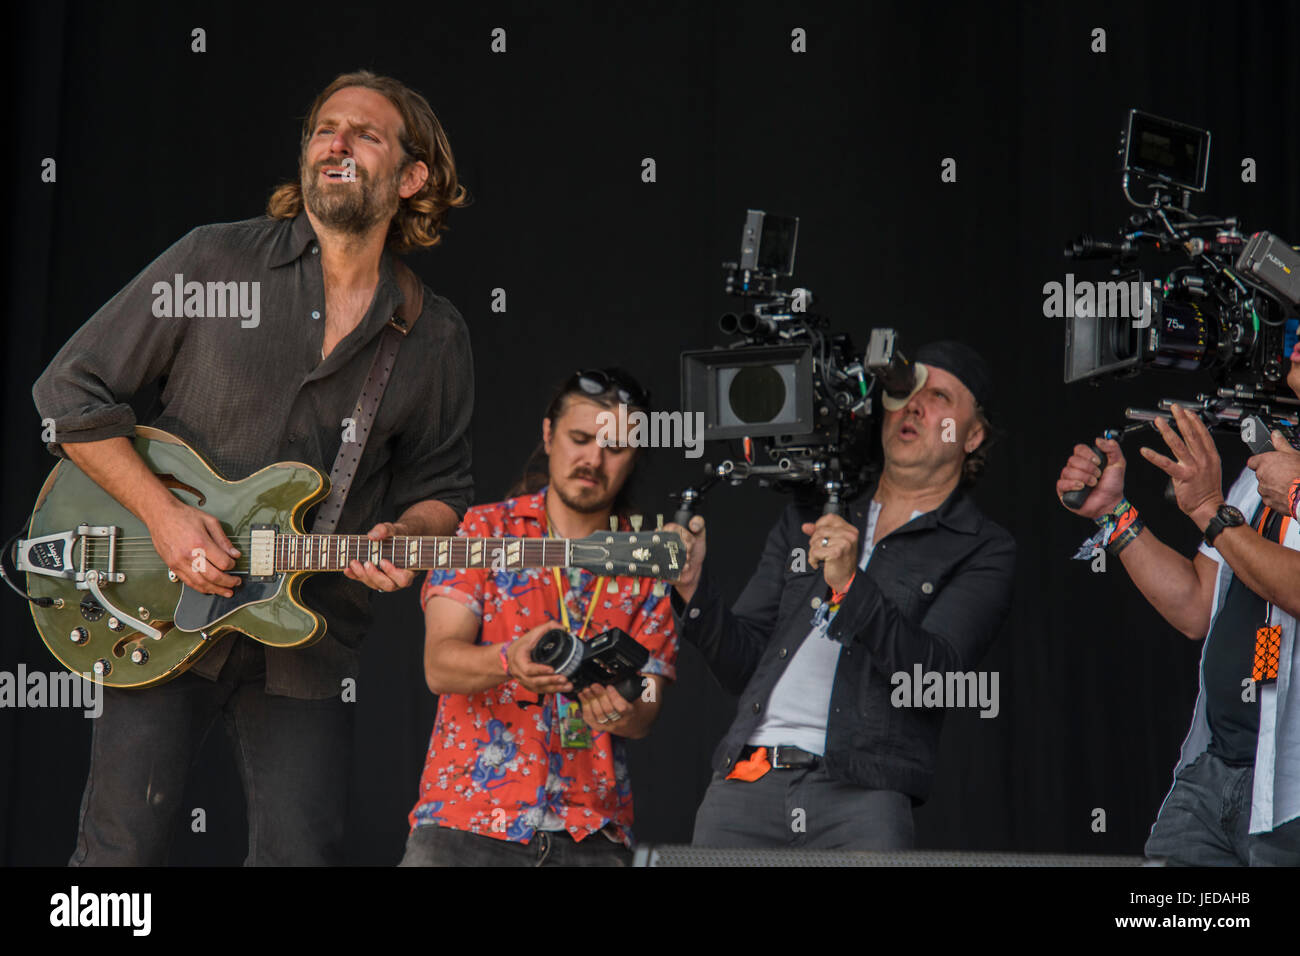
{"points": [[751, 769]]}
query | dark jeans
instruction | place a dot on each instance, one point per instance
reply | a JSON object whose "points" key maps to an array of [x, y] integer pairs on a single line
{"points": [[431, 845], [1206, 821], [293, 758], [802, 808]]}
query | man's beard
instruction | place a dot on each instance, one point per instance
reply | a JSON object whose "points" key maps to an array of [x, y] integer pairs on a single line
{"points": [[589, 500], [350, 207]]}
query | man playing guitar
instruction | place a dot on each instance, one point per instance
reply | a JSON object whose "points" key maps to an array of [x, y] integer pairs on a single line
{"points": [[376, 177]]}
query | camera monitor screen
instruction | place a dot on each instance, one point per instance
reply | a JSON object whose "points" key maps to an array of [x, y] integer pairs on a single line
{"points": [[768, 242], [750, 392], [1163, 149]]}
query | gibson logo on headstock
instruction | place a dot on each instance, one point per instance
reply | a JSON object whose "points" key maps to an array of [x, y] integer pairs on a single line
{"points": [[672, 554]]}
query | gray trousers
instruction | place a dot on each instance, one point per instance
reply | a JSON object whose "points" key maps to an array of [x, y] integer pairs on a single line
{"points": [[432, 845], [1205, 821], [802, 808]]}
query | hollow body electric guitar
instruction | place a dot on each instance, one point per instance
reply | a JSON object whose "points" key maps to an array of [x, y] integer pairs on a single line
{"points": [[107, 605]]}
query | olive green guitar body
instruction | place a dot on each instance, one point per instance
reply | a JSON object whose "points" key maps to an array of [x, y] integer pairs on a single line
{"points": [[90, 639]]}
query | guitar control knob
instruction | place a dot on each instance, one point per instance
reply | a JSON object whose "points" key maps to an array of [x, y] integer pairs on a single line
{"points": [[115, 625], [78, 635], [102, 667], [139, 656], [91, 609]]}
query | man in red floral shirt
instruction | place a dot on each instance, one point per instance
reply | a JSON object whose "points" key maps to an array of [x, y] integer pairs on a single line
{"points": [[517, 772]]}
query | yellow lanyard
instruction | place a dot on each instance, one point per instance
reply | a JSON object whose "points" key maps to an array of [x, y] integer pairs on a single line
{"points": [[564, 610]]}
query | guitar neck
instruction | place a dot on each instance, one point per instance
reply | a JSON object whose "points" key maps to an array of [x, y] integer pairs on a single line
{"points": [[334, 552]]}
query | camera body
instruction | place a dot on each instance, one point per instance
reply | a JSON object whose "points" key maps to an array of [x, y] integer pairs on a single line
{"points": [[800, 396], [612, 658], [1225, 307]]}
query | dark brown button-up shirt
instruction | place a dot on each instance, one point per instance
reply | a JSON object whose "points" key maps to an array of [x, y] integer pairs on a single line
{"points": [[242, 380]]}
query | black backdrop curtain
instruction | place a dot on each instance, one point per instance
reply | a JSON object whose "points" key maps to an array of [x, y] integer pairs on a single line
{"points": [[600, 268]]}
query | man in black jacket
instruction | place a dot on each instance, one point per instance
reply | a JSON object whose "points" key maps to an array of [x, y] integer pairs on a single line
{"points": [[834, 742]]}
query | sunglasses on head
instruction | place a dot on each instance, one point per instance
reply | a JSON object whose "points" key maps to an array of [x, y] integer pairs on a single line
{"points": [[598, 381]]}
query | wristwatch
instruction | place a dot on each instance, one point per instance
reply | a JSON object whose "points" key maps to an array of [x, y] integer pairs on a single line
{"points": [[1226, 517]]}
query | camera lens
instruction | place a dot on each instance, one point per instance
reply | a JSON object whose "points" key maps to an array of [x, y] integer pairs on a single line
{"points": [[560, 650]]}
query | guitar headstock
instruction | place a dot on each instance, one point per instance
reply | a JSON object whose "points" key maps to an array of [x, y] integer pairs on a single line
{"points": [[639, 554]]}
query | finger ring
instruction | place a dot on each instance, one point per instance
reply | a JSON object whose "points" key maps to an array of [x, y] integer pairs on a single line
{"points": [[825, 542]]}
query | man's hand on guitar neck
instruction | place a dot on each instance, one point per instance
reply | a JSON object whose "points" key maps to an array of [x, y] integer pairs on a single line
{"points": [[384, 576], [432, 518], [190, 542]]}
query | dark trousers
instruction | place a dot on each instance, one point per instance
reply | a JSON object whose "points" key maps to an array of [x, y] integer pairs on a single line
{"points": [[802, 808], [293, 758], [431, 845], [1206, 821]]}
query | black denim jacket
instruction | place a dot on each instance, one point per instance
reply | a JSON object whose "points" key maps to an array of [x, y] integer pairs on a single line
{"points": [[935, 593]]}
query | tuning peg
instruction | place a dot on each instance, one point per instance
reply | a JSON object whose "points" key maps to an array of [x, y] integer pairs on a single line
{"points": [[659, 522], [613, 586], [659, 590], [613, 522], [636, 585], [636, 521]]}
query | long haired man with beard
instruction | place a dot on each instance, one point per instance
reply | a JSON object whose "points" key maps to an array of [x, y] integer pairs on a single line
{"points": [[277, 381], [520, 771]]}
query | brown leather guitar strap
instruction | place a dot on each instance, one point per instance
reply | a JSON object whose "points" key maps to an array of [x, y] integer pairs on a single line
{"points": [[372, 392]]}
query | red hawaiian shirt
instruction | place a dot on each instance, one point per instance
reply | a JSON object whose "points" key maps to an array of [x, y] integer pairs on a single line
{"points": [[495, 764]]}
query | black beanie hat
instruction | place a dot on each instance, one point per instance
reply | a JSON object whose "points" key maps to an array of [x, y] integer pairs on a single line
{"points": [[962, 361]]}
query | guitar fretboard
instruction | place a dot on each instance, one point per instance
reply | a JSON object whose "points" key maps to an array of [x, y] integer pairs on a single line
{"points": [[334, 552]]}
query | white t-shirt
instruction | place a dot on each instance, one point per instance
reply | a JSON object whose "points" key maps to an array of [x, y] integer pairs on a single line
{"points": [[801, 699]]}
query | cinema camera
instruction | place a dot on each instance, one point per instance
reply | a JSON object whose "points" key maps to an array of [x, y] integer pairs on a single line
{"points": [[1223, 310], [797, 396]]}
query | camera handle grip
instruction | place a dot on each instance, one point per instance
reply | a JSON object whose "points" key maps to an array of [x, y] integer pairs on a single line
{"points": [[686, 502], [1076, 498], [630, 688]]}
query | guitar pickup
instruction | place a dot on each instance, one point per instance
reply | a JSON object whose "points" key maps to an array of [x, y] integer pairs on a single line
{"points": [[261, 552]]}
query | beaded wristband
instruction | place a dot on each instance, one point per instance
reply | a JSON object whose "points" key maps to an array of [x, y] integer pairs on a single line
{"points": [[1293, 497]]}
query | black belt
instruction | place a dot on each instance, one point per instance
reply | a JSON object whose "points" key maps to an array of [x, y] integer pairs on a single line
{"points": [[785, 757]]}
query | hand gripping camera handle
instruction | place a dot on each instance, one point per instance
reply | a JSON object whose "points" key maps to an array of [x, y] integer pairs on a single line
{"points": [[687, 501], [1075, 499]]}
